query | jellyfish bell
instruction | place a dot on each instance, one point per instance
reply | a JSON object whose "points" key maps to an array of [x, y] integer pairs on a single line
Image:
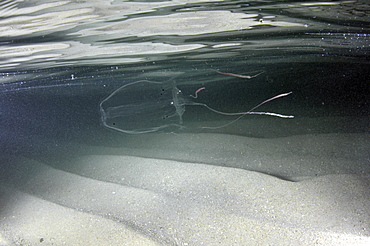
{"points": [[147, 106], [142, 107]]}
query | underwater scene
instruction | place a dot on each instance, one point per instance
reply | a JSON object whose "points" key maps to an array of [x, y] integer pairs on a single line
{"points": [[184, 122]]}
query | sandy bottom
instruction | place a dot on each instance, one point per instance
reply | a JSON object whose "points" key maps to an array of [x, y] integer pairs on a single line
{"points": [[191, 189]]}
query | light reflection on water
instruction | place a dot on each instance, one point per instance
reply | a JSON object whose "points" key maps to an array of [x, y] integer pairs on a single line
{"points": [[62, 33]]}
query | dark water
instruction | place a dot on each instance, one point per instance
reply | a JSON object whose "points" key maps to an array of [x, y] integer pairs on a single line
{"points": [[59, 60]]}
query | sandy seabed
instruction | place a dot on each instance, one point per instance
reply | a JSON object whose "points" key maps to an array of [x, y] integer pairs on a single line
{"points": [[192, 189]]}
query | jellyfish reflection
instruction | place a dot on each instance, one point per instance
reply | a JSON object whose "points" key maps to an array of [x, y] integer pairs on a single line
{"points": [[147, 106]]}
